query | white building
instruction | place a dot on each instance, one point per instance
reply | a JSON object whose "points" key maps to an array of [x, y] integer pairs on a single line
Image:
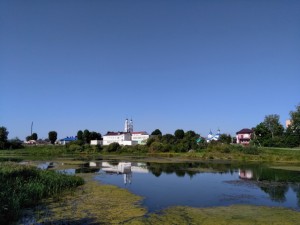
{"points": [[128, 137], [123, 138], [96, 142], [140, 137], [211, 137]]}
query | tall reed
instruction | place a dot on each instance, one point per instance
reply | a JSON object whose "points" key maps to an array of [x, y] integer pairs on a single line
{"points": [[22, 186]]}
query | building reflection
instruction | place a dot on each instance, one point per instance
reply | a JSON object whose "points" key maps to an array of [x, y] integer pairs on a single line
{"points": [[245, 174], [125, 168]]}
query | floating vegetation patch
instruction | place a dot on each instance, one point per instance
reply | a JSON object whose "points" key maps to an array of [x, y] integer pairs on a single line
{"points": [[232, 215], [92, 203]]}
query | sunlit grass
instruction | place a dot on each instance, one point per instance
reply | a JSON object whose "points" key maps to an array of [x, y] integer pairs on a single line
{"points": [[232, 215]]}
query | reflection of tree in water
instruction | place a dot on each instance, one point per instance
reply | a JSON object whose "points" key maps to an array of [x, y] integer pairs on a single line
{"points": [[276, 191], [189, 168], [274, 182], [296, 189]]}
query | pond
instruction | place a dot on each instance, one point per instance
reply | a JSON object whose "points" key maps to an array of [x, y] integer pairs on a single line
{"points": [[204, 185], [195, 184]]}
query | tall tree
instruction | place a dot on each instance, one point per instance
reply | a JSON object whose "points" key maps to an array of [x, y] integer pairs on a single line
{"points": [[95, 136], [273, 125], [156, 132], [293, 131], [52, 135], [80, 135], [3, 137], [86, 136], [295, 119], [34, 136], [179, 133]]}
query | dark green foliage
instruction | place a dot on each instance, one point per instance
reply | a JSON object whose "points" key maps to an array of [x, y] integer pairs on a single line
{"points": [[157, 147], [251, 150], [22, 186], [113, 147], [3, 137], [34, 136], [168, 139], [273, 125], [86, 136], [95, 136], [15, 144], [179, 134], [52, 135], [80, 135], [225, 138], [156, 132]]}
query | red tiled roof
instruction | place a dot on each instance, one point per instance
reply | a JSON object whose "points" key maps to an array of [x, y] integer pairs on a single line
{"points": [[139, 132], [245, 131], [115, 133]]}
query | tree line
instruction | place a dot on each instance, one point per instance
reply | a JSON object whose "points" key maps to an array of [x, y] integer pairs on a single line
{"points": [[269, 133]]}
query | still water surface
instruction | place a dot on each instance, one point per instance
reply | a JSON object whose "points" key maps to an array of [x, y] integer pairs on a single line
{"points": [[196, 184], [204, 185]]}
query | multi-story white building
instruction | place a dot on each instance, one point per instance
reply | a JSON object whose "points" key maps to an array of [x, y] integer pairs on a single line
{"points": [[123, 138], [128, 137], [140, 137]]}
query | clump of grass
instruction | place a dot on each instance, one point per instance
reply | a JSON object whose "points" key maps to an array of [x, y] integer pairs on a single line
{"points": [[22, 186]]}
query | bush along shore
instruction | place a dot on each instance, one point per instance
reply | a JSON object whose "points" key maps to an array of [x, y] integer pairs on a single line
{"points": [[24, 186]]}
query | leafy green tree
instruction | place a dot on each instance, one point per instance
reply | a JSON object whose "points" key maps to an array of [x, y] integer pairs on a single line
{"points": [[179, 134], [168, 139], [157, 147], [262, 135], [273, 125], [86, 136], [34, 136], [292, 134], [95, 136], [3, 137], [113, 147], [190, 134], [225, 138], [28, 138], [52, 135], [156, 132], [295, 117], [80, 135]]}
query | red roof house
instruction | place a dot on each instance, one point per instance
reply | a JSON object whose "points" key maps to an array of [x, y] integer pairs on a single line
{"points": [[244, 136]]}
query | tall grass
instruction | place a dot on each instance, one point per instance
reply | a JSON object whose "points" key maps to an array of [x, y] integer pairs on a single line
{"points": [[22, 186]]}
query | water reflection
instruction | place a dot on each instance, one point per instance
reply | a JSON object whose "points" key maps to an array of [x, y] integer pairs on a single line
{"points": [[193, 183], [125, 168], [208, 184]]}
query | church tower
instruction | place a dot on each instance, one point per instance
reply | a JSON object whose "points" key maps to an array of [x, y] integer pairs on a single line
{"points": [[126, 126], [131, 126]]}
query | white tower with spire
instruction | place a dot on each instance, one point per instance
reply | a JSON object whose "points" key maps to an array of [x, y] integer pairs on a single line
{"points": [[126, 127], [131, 126]]}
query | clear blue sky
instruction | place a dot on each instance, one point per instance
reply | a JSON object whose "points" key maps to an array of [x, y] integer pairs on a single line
{"points": [[168, 64]]}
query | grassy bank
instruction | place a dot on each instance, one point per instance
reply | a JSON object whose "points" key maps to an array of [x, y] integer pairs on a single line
{"points": [[22, 186], [214, 152]]}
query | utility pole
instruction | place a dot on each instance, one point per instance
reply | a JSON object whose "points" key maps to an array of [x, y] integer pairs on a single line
{"points": [[31, 127]]}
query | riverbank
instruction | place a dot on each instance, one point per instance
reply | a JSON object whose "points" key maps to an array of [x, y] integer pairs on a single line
{"points": [[218, 153]]}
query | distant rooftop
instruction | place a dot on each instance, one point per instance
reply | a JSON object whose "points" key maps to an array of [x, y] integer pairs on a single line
{"points": [[245, 131]]}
